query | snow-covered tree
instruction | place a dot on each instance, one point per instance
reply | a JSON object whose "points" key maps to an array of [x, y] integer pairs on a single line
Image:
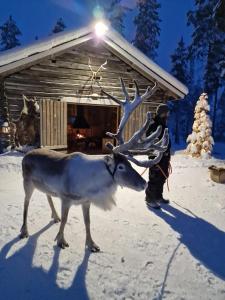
{"points": [[147, 27], [59, 26], [180, 71], [9, 32], [116, 13], [200, 140]]}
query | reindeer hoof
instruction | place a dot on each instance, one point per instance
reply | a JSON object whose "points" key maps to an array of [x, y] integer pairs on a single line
{"points": [[56, 219], [62, 244], [24, 235], [94, 248]]}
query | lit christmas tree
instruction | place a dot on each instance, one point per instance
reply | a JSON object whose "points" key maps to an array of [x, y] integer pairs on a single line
{"points": [[200, 140]]}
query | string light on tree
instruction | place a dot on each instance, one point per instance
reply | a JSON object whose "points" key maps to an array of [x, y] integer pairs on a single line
{"points": [[200, 140]]}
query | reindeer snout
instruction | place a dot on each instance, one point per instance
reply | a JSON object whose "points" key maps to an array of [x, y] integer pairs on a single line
{"points": [[145, 185]]}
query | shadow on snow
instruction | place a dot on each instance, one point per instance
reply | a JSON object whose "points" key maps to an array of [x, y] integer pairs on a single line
{"points": [[204, 241], [21, 280]]}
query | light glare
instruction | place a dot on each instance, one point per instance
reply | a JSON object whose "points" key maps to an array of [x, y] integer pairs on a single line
{"points": [[100, 29]]}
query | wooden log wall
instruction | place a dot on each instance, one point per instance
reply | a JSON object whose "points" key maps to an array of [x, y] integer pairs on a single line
{"points": [[5, 138], [69, 75]]}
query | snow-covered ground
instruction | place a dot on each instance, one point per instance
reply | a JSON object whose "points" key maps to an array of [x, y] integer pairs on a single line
{"points": [[176, 253]]}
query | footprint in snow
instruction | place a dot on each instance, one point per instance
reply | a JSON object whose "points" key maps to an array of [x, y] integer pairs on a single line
{"points": [[148, 263]]}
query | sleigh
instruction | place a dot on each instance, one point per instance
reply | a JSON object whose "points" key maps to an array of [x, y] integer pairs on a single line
{"points": [[217, 174]]}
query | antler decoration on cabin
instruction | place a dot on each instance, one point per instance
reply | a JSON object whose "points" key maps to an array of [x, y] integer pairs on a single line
{"points": [[138, 143], [95, 73]]}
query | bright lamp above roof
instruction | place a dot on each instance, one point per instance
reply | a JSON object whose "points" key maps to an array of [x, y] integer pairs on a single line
{"points": [[100, 28]]}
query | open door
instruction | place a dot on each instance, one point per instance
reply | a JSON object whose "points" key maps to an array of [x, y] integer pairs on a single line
{"points": [[53, 124]]}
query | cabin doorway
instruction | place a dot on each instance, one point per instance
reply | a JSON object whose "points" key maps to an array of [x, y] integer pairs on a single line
{"points": [[87, 126]]}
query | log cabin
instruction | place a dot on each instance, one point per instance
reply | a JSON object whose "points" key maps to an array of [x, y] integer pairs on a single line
{"points": [[66, 72]]}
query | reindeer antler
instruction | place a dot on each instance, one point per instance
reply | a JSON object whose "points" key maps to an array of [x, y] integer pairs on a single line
{"points": [[128, 107], [137, 144]]}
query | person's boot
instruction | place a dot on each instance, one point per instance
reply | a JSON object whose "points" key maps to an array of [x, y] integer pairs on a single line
{"points": [[163, 201], [152, 203]]}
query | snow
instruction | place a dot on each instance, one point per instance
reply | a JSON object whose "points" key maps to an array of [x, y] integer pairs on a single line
{"points": [[176, 253]]}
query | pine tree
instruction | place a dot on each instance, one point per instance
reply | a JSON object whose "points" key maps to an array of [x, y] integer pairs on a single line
{"points": [[212, 75], [9, 33], [147, 27], [179, 62], [220, 132], [220, 21], [208, 44], [204, 27], [180, 71], [116, 13], [201, 141], [220, 14], [59, 26]]}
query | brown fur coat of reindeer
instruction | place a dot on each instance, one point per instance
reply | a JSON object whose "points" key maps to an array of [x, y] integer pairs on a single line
{"points": [[26, 129]]}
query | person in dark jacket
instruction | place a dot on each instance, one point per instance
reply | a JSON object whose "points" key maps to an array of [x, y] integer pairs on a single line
{"points": [[160, 172]]}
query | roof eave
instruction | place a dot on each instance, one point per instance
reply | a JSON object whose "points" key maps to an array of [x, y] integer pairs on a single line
{"points": [[15, 60]]}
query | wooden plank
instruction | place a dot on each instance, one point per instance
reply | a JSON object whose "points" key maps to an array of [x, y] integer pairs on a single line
{"points": [[41, 122], [65, 123], [48, 131], [61, 122], [64, 72], [58, 123], [30, 60], [59, 93], [54, 124], [44, 123], [34, 85], [24, 79], [51, 116]]}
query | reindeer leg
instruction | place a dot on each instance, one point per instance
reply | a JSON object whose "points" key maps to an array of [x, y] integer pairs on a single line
{"points": [[89, 242], [55, 216], [61, 242], [28, 188]]}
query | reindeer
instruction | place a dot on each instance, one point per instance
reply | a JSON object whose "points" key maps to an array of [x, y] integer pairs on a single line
{"points": [[26, 127], [83, 179]]}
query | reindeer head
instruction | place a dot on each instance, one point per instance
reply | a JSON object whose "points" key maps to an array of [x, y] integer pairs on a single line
{"points": [[30, 106], [123, 173], [138, 144]]}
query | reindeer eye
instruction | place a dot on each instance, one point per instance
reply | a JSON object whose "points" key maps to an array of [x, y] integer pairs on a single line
{"points": [[121, 167]]}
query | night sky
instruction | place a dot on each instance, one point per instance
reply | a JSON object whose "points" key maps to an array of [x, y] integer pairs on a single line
{"points": [[37, 18]]}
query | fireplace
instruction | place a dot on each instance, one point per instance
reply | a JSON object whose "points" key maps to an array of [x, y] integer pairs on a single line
{"points": [[87, 127]]}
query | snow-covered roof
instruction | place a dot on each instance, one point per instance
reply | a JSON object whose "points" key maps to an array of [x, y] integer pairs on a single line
{"points": [[22, 57]]}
